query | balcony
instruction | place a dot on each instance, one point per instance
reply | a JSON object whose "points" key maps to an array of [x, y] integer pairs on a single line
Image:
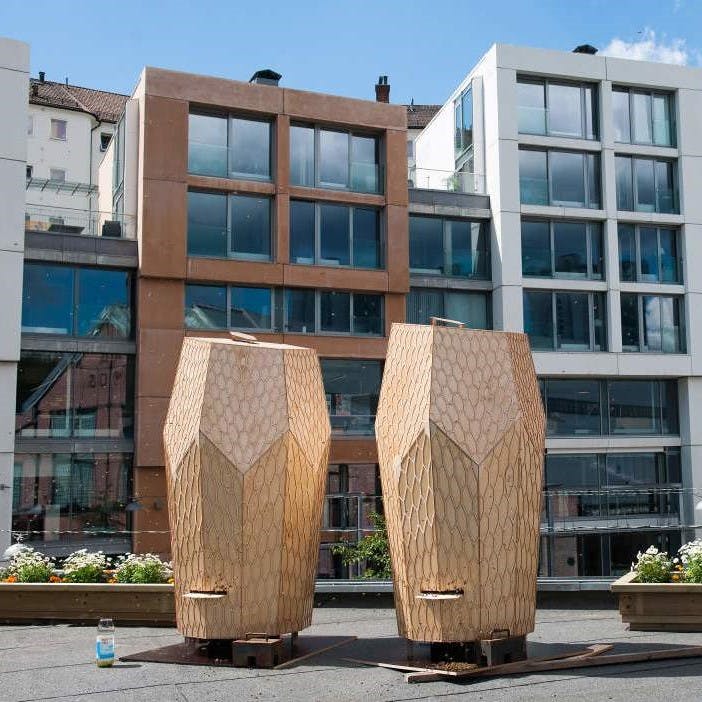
{"points": [[448, 181], [66, 220]]}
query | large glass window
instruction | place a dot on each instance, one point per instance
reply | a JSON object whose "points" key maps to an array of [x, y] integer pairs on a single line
{"points": [[300, 311], [463, 112], [328, 158], [352, 388], [234, 226], [76, 301], [206, 307], [557, 109], [565, 178], [452, 247], [577, 407], [61, 395], [251, 308], [564, 321], [231, 147], [649, 254], [64, 502], [643, 117], [646, 185], [561, 249], [652, 323], [335, 235], [471, 308]]}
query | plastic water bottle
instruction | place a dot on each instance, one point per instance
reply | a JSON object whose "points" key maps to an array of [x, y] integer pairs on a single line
{"points": [[105, 644]]}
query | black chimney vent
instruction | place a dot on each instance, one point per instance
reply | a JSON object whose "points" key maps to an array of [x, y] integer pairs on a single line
{"points": [[585, 49], [265, 77], [42, 75]]}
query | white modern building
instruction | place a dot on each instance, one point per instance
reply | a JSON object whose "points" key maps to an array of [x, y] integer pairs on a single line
{"points": [[14, 74], [68, 130], [593, 168]]}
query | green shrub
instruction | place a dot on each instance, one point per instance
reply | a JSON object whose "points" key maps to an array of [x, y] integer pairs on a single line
{"points": [[84, 567], [30, 566], [373, 549], [653, 566], [142, 568], [691, 557]]}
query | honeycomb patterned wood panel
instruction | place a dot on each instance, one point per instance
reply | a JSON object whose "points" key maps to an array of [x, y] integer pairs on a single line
{"points": [[460, 431], [246, 441]]}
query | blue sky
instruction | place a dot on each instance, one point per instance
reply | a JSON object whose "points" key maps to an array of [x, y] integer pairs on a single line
{"points": [[338, 47]]}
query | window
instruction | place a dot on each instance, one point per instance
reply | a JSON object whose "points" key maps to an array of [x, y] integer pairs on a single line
{"points": [[646, 185], [471, 308], [326, 158], [30, 171], [104, 140], [649, 254], [652, 323], [58, 129], [84, 395], [562, 249], [352, 388], [557, 109], [463, 111], [564, 321], [578, 407], [229, 226], [57, 174], [30, 125], [229, 147], [565, 178], [643, 117], [83, 496], [451, 247], [335, 235], [295, 310], [76, 301]]}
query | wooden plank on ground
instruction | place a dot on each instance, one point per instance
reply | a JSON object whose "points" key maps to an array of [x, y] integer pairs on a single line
{"points": [[292, 661]]}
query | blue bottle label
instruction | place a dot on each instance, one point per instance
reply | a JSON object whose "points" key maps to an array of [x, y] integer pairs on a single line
{"points": [[104, 648]]}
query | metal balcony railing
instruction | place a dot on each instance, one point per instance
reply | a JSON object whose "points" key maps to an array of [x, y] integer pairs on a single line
{"points": [[66, 220], [451, 181]]}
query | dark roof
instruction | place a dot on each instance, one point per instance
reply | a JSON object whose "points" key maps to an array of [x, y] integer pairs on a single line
{"points": [[107, 107], [418, 116]]}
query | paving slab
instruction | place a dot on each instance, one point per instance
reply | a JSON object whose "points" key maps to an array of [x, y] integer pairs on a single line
{"points": [[56, 663]]}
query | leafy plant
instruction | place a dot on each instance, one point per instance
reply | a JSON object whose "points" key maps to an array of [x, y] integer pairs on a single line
{"points": [[691, 557], [653, 566], [144, 568], [30, 566], [84, 567], [373, 550]]}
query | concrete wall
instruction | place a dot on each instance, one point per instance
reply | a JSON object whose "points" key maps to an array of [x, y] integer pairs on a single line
{"points": [[14, 77]]}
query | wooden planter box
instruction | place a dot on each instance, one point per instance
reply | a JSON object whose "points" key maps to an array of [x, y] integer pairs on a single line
{"points": [[86, 603], [659, 606]]}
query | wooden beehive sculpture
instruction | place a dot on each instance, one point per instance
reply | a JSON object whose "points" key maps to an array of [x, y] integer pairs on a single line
{"points": [[246, 442], [460, 430]]}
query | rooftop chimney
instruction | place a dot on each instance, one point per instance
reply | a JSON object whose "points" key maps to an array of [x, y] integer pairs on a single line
{"points": [[265, 77], [382, 90], [42, 75], [585, 49]]}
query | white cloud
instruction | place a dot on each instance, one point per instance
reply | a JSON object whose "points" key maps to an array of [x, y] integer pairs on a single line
{"points": [[649, 49]]}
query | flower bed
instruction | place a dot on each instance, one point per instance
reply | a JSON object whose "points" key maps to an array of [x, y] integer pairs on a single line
{"points": [[137, 589], [662, 593]]}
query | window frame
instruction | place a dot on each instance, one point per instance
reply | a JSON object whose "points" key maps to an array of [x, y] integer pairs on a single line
{"points": [[652, 94], [639, 276], [589, 203], [447, 249], [582, 86], [678, 309], [633, 186], [318, 260], [592, 327], [55, 122], [351, 133], [590, 227], [229, 117]]}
